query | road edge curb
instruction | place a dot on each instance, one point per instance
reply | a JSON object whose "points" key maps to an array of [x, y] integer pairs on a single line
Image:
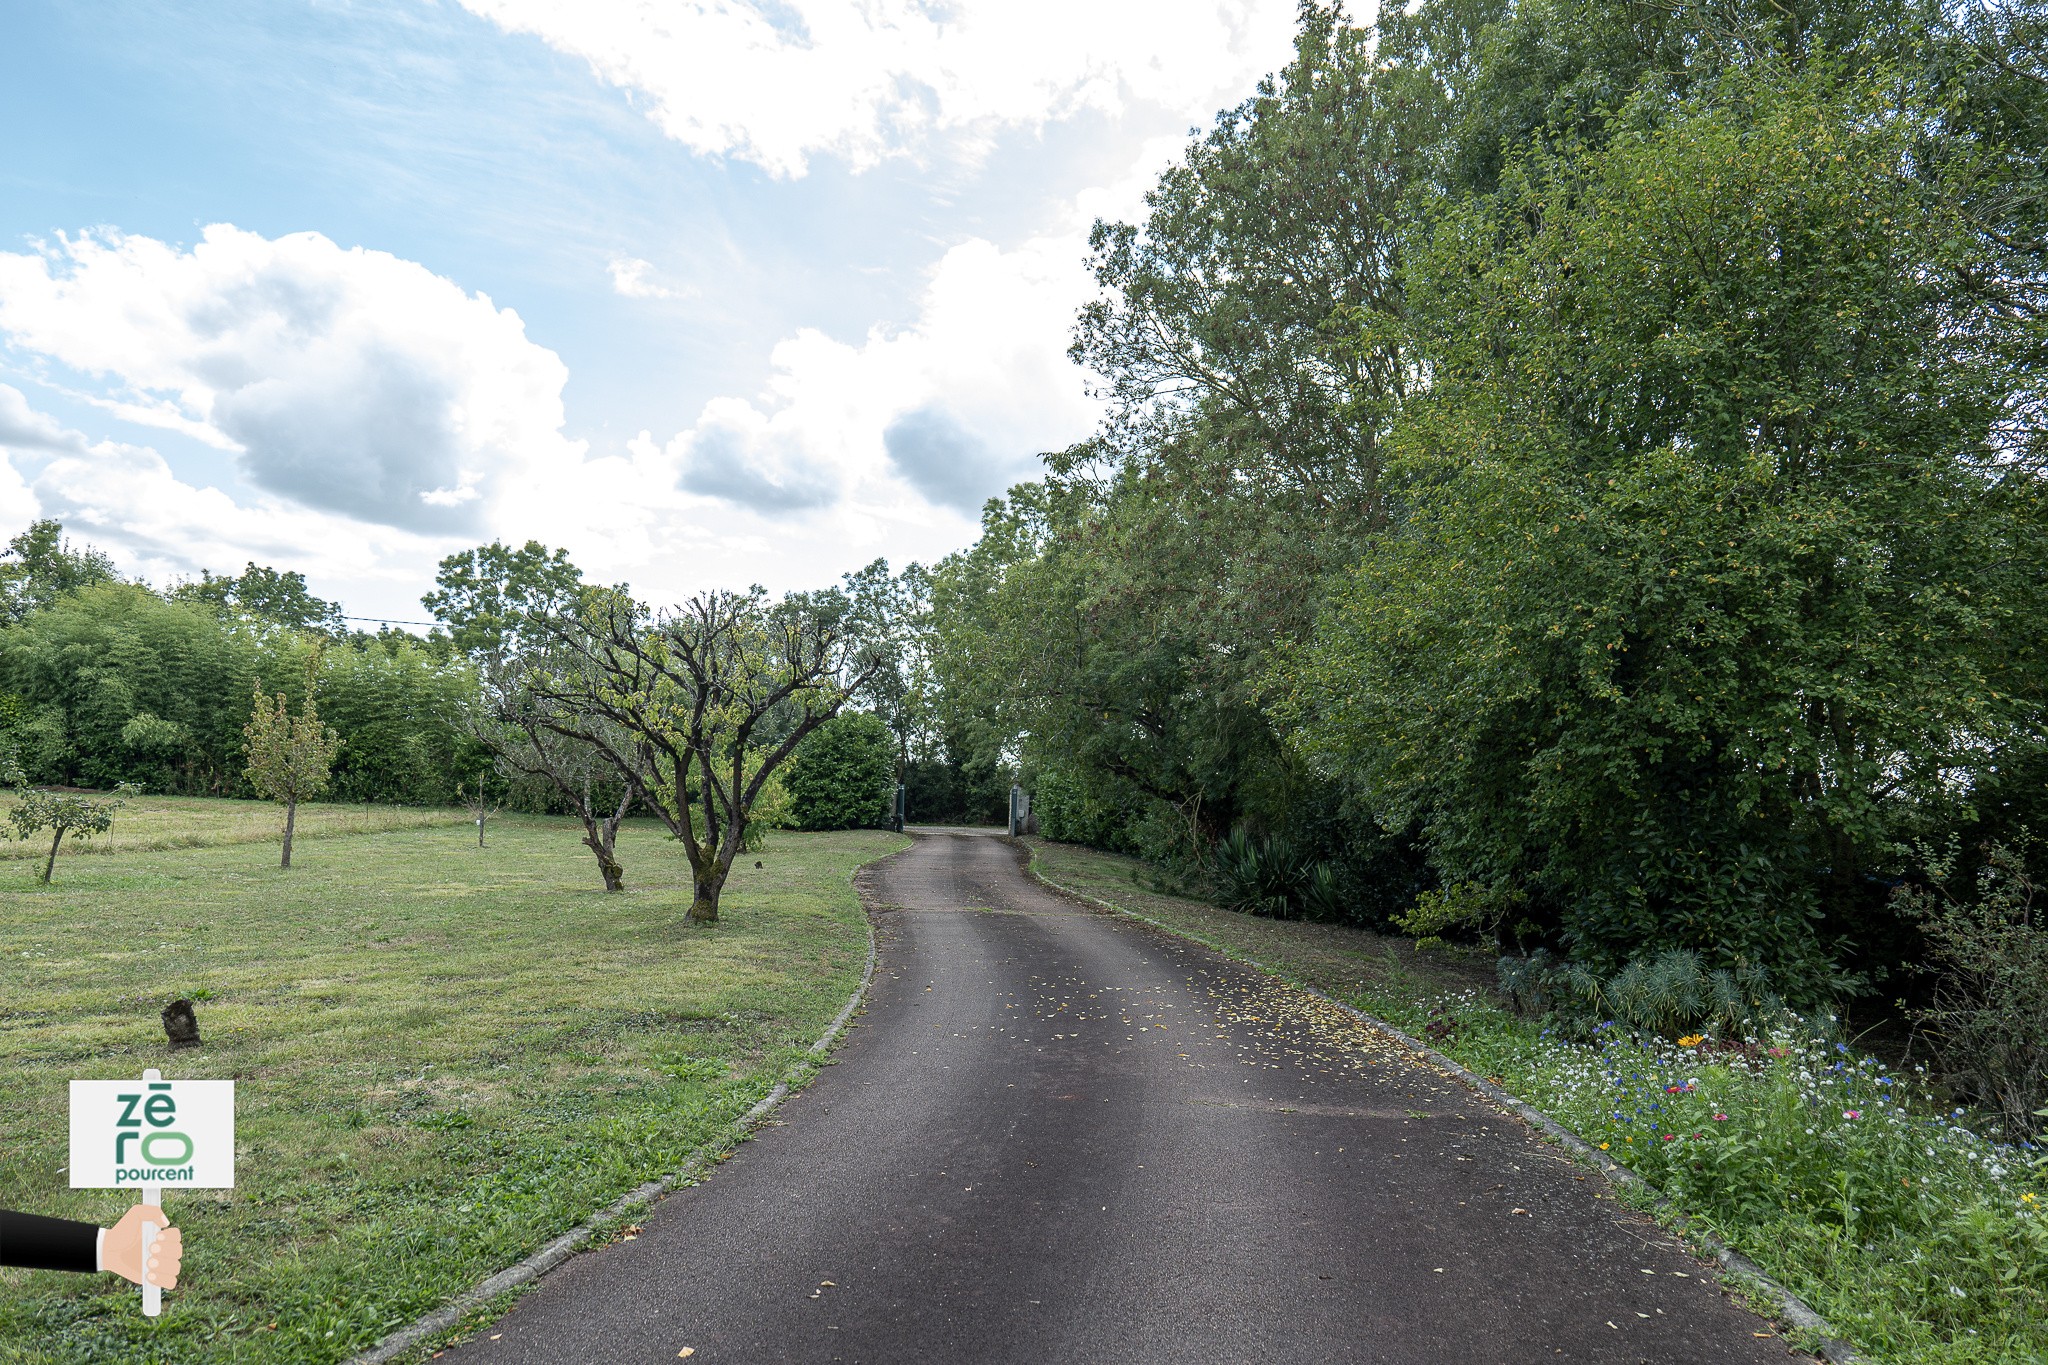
{"points": [[1792, 1309], [559, 1249]]}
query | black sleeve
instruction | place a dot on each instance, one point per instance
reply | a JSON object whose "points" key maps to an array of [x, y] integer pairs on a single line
{"points": [[36, 1243]]}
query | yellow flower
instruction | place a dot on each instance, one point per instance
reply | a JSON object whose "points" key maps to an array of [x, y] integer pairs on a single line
{"points": [[1692, 1041], [1603, 1147], [2028, 1199]]}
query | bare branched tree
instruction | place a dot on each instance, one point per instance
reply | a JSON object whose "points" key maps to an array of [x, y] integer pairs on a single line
{"points": [[695, 707], [524, 732]]}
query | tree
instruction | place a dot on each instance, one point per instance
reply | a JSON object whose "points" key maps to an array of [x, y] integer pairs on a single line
{"points": [[1226, 310], [61, 813], [531, 737], [290, 756], [487, 596], [844, 775], [1726, 510], [39, 566], [697, 707], [268, 595], [480, 804]]}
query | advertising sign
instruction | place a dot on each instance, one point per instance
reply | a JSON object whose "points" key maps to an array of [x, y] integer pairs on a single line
{"points": [[152, 1135]]}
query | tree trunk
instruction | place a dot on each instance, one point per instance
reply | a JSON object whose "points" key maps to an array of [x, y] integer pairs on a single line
{"points": [[711, 881], [479, 831], [291, 820], [50, 868], [601, 836]]}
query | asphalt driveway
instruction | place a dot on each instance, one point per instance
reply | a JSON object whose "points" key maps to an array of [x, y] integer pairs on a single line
{"points": [[1060, 1136]]}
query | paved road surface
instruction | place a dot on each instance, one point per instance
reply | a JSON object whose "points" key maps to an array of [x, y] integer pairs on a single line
{"points": [[1058, 1136]]}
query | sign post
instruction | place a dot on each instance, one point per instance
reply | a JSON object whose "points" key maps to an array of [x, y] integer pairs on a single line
{"points": [[150, 1135]]}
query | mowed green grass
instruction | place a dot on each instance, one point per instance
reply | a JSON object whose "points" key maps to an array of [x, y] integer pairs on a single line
{"points": [[443, 1056], [1354, 964]]}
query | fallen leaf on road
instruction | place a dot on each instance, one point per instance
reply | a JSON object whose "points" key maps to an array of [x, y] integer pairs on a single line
{"points": [[686, 1353], [1524, 1212]]}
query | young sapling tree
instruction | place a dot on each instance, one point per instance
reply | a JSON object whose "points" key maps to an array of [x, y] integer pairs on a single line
{"points": [[480, 806], [61, 813], [290, 757]]}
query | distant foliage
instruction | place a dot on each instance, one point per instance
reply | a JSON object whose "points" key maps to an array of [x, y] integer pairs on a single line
{"points": [[400, 711], [843, 776], [39, 566], [110, 682]]}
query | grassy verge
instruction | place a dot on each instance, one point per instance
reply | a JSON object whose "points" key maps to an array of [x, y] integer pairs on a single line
{"points": [[156, 824], [1918, 1241], [443, 1056]]}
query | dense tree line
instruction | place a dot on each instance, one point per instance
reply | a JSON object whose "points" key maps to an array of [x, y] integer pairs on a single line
{"points": [[104, 681], [1573, 467]]}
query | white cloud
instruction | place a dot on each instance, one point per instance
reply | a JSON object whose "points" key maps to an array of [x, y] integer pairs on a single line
{"points": [[126, 499], [349, 381], [942, 413], [777, 81], [23, 428], [634, 279]]}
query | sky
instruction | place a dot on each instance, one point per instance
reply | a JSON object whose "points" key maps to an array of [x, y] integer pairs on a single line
{"points": [[707, 292]]}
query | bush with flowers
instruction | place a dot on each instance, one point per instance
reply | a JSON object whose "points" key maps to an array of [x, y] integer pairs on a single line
{"points": [[1915, 1236]]}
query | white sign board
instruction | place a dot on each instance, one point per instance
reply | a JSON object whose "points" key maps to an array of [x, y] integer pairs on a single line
{"points": [[152, 1134], [148, 1134]]}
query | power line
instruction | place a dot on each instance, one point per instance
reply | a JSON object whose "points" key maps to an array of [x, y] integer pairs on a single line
{"points": [[387, 621]]}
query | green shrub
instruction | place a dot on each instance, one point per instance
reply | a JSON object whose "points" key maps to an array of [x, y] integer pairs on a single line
{"points": [[843, 776], [1664, 994], [1989, 1016], [1270, 875], [1460, 905], [1075, 810]]}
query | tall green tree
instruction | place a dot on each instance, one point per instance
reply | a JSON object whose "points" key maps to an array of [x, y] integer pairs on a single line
{"points": [[40, 565], [487, 596], [1721, 566]]}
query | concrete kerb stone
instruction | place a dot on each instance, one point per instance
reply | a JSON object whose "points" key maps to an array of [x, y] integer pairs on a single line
{"points": [[1790, 1307], [561, 1248]]}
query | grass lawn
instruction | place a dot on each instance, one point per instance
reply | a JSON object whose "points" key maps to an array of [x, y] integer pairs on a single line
{"points": [[149, 824], [1919, 1241], [1345, 962], [443, 1055]]}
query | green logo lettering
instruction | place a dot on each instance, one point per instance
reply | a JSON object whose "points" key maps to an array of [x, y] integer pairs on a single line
{"points": [[153, 1159]]}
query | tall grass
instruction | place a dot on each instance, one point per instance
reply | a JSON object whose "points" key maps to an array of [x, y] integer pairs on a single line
{"points": [[156, 824]]}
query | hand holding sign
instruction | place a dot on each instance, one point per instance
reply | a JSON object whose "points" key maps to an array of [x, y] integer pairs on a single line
{"points": [[122, 1251], [150, 1134]]}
